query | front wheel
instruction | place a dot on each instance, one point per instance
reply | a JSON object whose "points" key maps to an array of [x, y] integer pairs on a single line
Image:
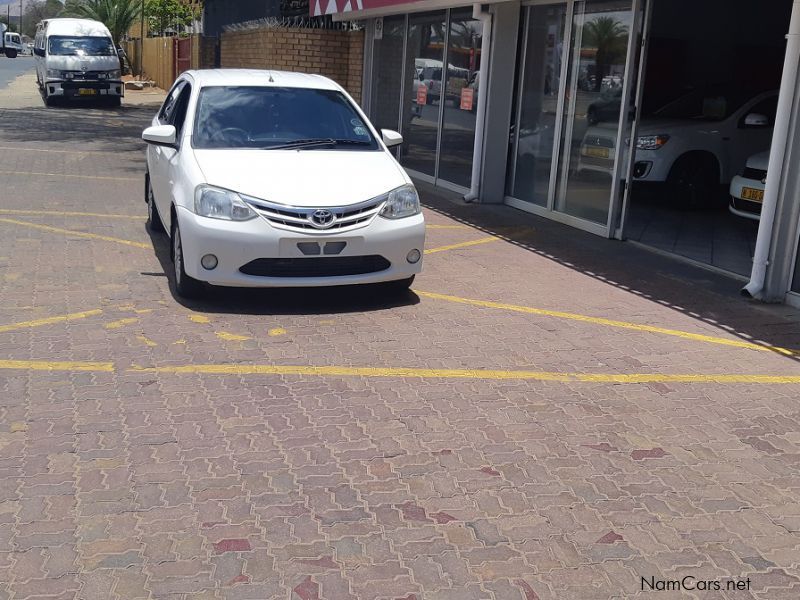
{"points": [[154, 222], [185, 286], [693, 182], [115, 102]]}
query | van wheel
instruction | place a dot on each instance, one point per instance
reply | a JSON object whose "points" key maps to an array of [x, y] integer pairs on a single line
{"points": [[115, 102], [49, 100], [185, 286], [154, 222]]}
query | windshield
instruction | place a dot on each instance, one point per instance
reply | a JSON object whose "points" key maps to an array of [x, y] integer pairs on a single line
{"points": [[704, 105], [272, 117], [81, 46]]}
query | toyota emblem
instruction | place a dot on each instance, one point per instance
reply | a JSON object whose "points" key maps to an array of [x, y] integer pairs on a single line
{"points": [[322, 218]]}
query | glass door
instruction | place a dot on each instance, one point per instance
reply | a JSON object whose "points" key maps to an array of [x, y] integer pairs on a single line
{"points": [[576, 67]]}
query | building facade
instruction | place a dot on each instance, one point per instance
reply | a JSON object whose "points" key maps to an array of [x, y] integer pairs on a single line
{"points": [[534, 104]]}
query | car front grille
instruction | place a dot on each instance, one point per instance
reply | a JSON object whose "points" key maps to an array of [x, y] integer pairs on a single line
{"points": [[85, 75], [339, 266], [755, 174], [345, 218]]}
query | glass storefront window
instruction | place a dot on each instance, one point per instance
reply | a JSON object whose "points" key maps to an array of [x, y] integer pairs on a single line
{"points": [[423, 91], [460, 98], [592, 110], [386, 82], [540, 73]]}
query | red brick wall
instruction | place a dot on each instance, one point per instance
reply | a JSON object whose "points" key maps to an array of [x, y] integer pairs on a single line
{"points": [[335, 54]]}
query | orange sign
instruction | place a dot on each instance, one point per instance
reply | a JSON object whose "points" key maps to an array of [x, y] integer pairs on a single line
{"points": [[422, 94], [467, 97]]}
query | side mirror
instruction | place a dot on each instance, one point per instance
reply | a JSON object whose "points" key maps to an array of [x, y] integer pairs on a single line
{"points": [[756, 120], [391, 138], [38, 51], [161, 135]]}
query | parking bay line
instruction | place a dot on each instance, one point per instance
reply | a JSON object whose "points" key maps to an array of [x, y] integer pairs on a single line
{"points": [[414, 373], [485, 240], [50, 320], [608, 323], [69, 175], [82, 234], [59, 213]]}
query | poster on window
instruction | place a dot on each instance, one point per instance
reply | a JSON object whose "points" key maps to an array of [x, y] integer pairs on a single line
{"points": [[467, 98]]}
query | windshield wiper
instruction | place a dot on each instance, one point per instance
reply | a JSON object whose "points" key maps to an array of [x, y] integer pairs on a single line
{"points": [[312, 143]]}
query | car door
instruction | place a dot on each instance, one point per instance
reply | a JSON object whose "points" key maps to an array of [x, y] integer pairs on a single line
{"points": [[752, 139], [158, 157]]}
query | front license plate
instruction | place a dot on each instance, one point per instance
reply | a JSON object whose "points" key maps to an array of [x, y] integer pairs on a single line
{"points": [[596, 152], [87, 92], [752, 194]]}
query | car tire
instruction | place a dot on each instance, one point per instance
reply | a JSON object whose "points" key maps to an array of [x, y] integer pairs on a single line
{"points": [[693, 181], [154, 222], [185, 286]]}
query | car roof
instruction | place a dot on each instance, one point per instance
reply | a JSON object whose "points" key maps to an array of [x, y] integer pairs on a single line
{"points": [[76, 27], [259, 77]]}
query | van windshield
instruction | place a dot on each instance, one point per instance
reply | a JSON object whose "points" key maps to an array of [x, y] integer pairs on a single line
{"points": [[81, 46]]}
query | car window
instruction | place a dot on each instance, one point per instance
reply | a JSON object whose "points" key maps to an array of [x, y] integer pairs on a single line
{"points": [[265, 116], [181, 106], [165, 114]]}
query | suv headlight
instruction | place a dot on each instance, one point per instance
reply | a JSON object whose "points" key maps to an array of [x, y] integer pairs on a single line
{"points": [[217, 203], [651, 142], [402, 202]]}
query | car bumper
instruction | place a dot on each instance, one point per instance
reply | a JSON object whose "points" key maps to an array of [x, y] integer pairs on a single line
{"points": [[651, 165], [72, 89], [739, 206], [239, 244]]}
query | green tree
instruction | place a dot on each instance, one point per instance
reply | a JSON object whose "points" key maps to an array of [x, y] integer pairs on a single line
{"points": [[118, 15], [163, 15], [38, 10], [610, 38]]}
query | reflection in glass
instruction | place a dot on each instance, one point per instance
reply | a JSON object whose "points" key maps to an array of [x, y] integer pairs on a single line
{"points": [[387, 65], [597, 56], [460, 98], [540, 79], [422, 91]]}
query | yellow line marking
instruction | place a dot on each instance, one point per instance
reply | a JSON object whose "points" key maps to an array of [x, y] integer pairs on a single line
{"points": [[485, 240], [69, 176], [231, 337], [50, 320], [199, 319], [121, 323], [466, 374], [447, 227], [41, 365], [82, 234], [55, 213], [476, 374], [146, 341], [50, 151], [608, 323], [277, 331]]}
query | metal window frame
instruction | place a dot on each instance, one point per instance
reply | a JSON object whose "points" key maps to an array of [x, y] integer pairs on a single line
{"points": [[523, 63]]}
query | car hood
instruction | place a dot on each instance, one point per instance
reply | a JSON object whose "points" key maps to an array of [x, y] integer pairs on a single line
{"points": [[675, 126], [307, 178], [79, 63], [759, 161]]}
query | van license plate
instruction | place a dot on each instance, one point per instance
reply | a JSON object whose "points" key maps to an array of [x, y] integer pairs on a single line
{"points": [[752, 194], [87, 92]]}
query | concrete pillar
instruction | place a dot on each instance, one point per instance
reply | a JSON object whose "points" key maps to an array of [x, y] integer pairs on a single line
{"points": [[500, 89]]}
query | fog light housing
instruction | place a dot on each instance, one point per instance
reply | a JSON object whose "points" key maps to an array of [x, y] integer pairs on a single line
{"points": [[209, 262], [414, 256]]}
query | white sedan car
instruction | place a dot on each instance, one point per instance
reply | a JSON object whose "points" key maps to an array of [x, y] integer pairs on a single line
{"points": [[266, 178], [747, 189]]}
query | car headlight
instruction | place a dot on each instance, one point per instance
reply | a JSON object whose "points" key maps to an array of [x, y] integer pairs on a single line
{"points": [[402, 202], [651, 142], [54, 73], [217, 203]]}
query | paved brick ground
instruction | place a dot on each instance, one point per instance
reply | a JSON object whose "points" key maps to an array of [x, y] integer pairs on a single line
{"points": [[121, 482]]}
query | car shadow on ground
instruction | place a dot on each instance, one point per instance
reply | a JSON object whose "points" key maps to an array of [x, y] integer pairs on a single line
{"points": [[281, 301], [690, 290]]}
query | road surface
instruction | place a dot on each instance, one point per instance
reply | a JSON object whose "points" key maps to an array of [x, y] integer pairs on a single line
{"points": [[11, 68]]}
